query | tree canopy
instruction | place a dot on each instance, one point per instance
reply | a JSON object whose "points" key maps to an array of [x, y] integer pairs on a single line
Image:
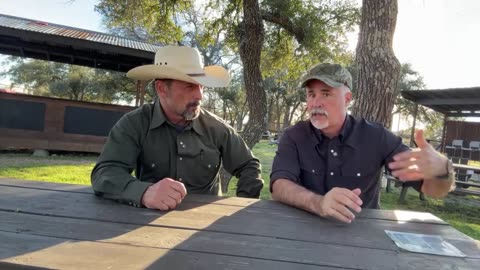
{"points": [[269, 37], [69, 81]]}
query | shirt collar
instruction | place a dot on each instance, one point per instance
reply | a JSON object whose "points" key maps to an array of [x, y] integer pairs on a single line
{"points": [[344, 135], [159, 119]]}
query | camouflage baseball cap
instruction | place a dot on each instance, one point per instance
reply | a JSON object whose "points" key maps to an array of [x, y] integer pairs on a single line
{"points": [[333, 75]]}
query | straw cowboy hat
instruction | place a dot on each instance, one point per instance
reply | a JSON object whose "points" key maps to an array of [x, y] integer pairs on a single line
{"points": [[183, 64]]}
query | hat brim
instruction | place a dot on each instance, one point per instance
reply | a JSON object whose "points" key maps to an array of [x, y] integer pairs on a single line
{"points": [[326, 79], [214, 76]]}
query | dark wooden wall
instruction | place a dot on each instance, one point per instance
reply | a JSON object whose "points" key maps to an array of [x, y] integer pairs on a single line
{"points": [[466, 131], [33, 122]]}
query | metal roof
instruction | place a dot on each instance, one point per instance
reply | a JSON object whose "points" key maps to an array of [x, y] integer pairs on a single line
{"points": [[453, 102], [53, 42]]}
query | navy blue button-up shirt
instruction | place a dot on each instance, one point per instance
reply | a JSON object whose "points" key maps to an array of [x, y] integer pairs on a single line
{"points": [[351, 160]]}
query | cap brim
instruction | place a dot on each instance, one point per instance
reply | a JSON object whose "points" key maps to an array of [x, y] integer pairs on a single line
{"points": [[215, 76], [324, 78]]}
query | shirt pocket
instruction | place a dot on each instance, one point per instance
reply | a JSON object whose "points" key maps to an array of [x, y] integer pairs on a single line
{"points": [[201, 165], [312, 180]]}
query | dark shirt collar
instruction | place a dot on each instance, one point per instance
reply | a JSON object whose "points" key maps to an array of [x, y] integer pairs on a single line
{"points": [[159, 119], [345, 133]]}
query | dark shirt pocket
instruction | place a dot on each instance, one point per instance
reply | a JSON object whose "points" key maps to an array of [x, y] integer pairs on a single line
{"points": [[201, 166], [366, 180], [312, 180], [348, 182]]}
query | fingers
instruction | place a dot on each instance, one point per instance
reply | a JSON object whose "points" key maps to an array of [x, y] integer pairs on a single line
{"points": [[164, 195], [176, 196], [408, 155], [339, 203], [161, 206], [420, 139], [170, 202], [408, 174], [180, 188], [342, 214]]}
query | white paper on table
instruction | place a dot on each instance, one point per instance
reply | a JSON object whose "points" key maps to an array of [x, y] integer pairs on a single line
{"points": [[424, 243]]}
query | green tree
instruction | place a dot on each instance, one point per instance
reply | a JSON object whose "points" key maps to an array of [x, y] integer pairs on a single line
{"points": [[411, 80], [314, 28], [69, 81]]}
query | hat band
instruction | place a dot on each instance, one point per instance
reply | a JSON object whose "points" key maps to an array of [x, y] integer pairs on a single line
{"points": [[196, 74]]}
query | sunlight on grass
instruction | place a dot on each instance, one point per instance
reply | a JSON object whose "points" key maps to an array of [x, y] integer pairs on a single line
{"points": [[72, 174]]}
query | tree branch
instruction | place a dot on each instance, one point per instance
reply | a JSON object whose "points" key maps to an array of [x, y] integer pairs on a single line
{"points": [[285, 23]]}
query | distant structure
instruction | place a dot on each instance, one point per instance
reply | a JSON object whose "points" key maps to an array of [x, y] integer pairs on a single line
{"points": [[31, 122]]}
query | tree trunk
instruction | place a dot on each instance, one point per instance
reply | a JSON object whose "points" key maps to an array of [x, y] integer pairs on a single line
{"points": [[270, 120], [378, 68], [250, 35]]}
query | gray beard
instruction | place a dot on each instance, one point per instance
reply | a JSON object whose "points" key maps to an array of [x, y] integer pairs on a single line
{"points": [[189, 116]]}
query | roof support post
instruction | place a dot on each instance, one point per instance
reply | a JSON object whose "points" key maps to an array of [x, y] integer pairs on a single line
{"points": [[137, 93], [412, 134], [444, 133]]}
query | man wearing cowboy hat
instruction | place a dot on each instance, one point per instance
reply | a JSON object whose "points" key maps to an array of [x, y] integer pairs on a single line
{"points": [[174, 146]]}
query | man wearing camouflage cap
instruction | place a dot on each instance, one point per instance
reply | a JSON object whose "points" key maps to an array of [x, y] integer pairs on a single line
{"points": [[330, 164]]}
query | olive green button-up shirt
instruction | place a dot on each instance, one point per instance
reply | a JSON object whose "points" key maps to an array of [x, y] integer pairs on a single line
{"points": [[145, 141]]}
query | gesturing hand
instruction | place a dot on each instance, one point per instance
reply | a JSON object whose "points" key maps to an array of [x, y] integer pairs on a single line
{"points": [[166, 194], [338, 202], [419, 163]]}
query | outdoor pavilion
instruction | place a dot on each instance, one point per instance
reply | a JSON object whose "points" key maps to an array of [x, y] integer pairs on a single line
{"points": [[452, 102], [35, 122], [58, 43]]}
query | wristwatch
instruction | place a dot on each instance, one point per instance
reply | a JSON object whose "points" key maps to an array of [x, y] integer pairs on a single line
{"points": [[450, 172]]}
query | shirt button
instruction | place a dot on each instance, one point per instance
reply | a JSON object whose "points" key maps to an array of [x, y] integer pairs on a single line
{"points": [[180, 158], [153, 165], [209, 166], [180, 179], [313, 171], [331, 150], [181, 142], [358, 174], [184, 146], [331, 173], [335, 154]]}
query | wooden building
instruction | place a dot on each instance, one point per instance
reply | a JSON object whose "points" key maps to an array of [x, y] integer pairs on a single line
{"points": [[32, 122]]}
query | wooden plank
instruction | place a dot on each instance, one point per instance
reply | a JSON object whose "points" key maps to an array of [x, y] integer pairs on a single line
{"points": [[265, 248], [464, 183], [67, 254], [221, 218], [466, 192], [194, 199]]}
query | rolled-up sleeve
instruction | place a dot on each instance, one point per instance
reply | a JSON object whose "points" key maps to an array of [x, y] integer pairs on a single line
{"points": [[286, 162]]}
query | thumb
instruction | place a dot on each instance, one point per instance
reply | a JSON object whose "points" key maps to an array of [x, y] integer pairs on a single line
{"points": [[420, 139], [357, 191]]}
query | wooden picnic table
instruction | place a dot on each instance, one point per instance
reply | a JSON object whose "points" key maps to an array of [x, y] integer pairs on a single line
{"points": [[60, 226]]}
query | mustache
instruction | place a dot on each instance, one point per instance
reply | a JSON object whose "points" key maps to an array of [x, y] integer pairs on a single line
{"points": [[316, 111], [193, 104]]}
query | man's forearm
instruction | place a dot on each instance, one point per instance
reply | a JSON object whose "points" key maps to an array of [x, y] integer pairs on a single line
{"points": [[287, 192]]}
